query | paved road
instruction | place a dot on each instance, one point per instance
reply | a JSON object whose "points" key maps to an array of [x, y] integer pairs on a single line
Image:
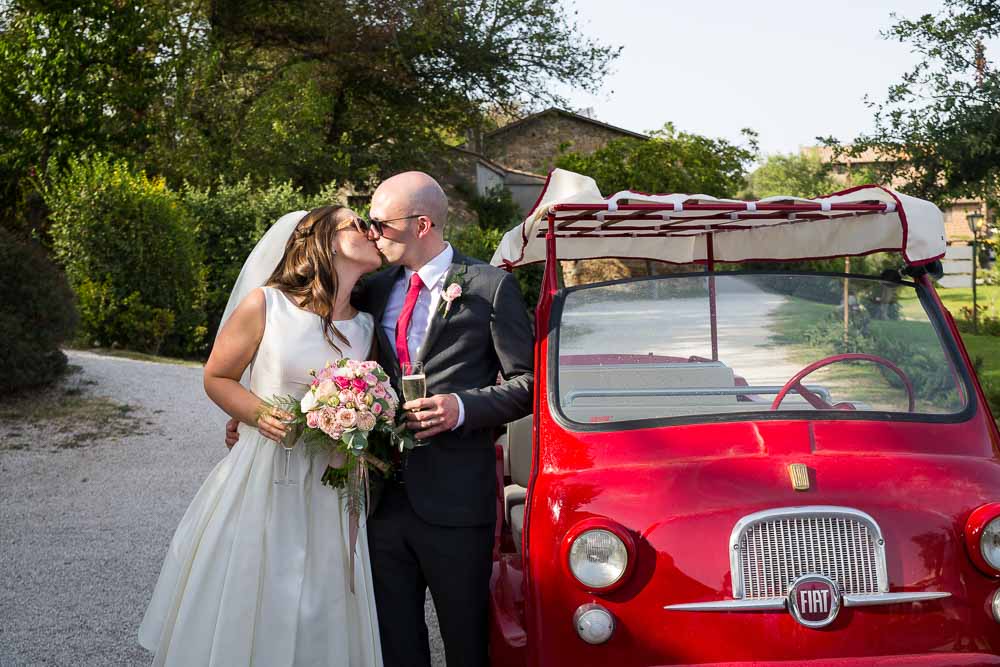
{"points": [[83, 531], [679, 326]]}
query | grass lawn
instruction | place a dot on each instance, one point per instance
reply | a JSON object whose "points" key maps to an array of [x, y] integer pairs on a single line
{"points": [[796, 316], [983, 350], [955, 298]]}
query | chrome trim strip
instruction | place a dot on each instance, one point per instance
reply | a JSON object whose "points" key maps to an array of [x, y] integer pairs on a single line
{"points": [[773, 604], [825, 511], [891, 598], [765, 604]]}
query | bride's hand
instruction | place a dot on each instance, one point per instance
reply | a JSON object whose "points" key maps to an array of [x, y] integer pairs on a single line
{"points": [[269, 423], [232, 433]]}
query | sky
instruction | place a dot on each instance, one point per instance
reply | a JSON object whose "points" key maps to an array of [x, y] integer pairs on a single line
{"points": [[790, 70]]}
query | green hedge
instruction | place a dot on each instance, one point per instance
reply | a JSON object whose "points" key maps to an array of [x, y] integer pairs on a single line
{"points": [[131, 253], [230, 219], [37, 314]]}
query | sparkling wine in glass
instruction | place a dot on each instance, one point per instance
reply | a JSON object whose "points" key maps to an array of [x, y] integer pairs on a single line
{"points": [[414, 384], [284, 469]]}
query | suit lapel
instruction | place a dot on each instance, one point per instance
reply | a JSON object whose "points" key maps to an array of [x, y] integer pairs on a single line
{"points": [[438, 317]]}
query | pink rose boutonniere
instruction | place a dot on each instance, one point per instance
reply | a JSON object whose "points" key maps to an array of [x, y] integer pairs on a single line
{"points": [[452, 292]]}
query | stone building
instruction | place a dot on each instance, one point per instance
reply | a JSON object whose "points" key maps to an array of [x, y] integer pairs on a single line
{"points": [[518, 156], [533, 143]]}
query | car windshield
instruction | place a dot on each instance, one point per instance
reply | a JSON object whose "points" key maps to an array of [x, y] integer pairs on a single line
{"points": [[643, 349]]}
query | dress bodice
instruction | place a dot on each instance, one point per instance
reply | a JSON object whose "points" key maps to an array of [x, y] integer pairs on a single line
{"points": [[293, 344]]}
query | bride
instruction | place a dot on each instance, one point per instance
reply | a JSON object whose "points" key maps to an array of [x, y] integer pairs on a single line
{"points": [[257, 573]]}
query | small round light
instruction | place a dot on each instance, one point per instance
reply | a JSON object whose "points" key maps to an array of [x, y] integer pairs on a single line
{"points": [[594, 623], [598, 558], [989, 543], [996, 606]]}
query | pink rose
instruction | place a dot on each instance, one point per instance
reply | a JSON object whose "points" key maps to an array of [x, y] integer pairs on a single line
{"points": [[345, 397], [371, 380], [369, 365], [366, 421], [342, 382], [379, 391], [313, 419], [346, 418], [358, 384], [328, 421], [453, 292], [377, 408]]}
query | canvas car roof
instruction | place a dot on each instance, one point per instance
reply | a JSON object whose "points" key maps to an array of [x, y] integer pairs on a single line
{"points": [[685, 228]]}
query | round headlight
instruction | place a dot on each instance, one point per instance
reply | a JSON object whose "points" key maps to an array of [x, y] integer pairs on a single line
{"points": [[598, 558], [989, 543]]}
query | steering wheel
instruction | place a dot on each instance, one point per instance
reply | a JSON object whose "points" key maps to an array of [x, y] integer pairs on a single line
{"points": [[814, 400]]}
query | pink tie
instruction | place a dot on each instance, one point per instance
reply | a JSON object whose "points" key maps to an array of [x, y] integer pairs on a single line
{"points": [[403, 323]]}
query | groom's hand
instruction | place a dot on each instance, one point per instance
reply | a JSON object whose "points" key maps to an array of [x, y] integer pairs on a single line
{"points": [[430, 416], [232, 435]]}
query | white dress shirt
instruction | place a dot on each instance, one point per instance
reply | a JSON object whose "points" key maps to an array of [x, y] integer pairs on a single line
{"points": [[433, 275]]}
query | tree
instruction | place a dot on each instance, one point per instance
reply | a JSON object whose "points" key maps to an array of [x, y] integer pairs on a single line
{"points": [[349, 91], [308, 91], [938, 130], [795, 175], [74, 77], [669, 161]]}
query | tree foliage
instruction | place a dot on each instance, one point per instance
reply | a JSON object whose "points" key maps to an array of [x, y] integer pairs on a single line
{"points": [[669, 161], [78, 77], [938, 129], [230, 218], [795, 175], [130, 252], [384, 85], [310, 92]]}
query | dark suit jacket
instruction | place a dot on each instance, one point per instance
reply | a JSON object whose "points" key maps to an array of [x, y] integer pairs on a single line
{"points": [[452, 480]]}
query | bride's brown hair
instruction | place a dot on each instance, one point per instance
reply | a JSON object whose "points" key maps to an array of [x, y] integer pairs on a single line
{"points": [[306, 271]]}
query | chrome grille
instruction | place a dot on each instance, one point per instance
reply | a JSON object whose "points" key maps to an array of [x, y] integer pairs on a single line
{"points": [[774, 548]]}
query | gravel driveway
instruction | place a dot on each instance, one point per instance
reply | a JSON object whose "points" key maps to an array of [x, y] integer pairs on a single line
{"points": [[84, 529]]}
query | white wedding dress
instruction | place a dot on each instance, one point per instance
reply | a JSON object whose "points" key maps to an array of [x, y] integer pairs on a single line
{"points": [[258, 574]]}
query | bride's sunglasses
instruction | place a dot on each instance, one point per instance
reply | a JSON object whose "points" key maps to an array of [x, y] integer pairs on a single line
{"points": [[360, 225], [379, 225]]}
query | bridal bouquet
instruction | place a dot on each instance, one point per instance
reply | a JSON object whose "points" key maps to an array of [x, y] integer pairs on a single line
{"points": [[350, 412]]}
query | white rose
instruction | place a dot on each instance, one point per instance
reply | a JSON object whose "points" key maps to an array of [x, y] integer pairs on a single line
{"points": [[326, 390], [308, 402]]}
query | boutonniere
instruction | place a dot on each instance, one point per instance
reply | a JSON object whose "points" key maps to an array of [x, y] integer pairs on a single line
{"points": [[453, 291]]}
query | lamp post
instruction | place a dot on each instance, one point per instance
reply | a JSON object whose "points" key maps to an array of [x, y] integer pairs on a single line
{"points": [[974, 219]]}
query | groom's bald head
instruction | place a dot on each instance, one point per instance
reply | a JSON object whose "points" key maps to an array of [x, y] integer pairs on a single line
{"points": [[417, 209], [418, 193]]}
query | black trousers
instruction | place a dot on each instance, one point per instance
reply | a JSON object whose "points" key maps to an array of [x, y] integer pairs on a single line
{"points": [[409, 555]]}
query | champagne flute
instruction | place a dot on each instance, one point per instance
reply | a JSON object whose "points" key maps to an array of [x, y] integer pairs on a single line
{"points": [[414, 385], [292, 433]]}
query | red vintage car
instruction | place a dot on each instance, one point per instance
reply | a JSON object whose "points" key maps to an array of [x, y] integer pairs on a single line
{"points": [[746, 467]]}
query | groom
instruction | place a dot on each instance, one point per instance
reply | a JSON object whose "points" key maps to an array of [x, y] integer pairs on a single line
{"points": [[433, 527]]}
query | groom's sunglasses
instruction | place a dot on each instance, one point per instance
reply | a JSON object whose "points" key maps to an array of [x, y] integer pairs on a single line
{"points": [[378, 225]]}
